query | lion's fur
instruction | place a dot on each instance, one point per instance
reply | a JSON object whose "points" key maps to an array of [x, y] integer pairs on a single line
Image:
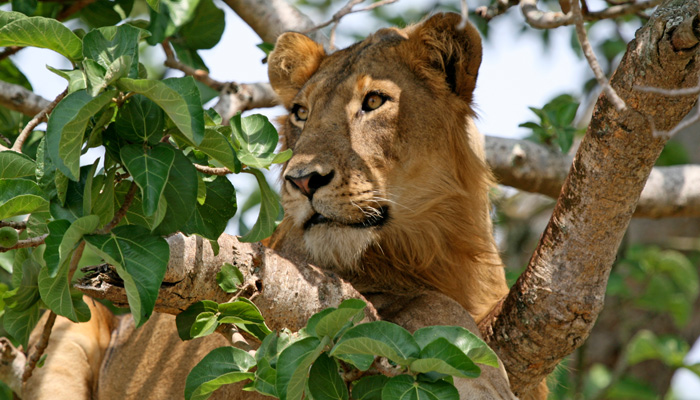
{"points": [[419, 156]]}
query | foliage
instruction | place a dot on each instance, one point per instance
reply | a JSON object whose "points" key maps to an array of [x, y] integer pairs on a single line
{"points": [[555, 123], [333, 357]]}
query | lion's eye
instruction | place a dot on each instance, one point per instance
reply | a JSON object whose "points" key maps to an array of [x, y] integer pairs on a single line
{"points": [[373, 101], [300, 112]]}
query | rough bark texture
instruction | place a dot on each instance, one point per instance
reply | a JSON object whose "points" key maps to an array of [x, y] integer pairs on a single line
{"points": [[286, 292], [669, 191], [553, 306], [17, 98]]}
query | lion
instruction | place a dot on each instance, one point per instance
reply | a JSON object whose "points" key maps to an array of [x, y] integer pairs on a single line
{"points": [[387, 187]]}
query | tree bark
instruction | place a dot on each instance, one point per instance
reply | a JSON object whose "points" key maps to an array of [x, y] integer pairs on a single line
{"points": [[552, 307], [17, 98]]}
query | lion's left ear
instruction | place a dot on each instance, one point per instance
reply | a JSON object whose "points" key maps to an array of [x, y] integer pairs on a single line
{"points": [[296, 57], [440, 45]]}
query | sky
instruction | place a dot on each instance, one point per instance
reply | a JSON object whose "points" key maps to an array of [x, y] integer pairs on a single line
{"points": [[516, 72]]}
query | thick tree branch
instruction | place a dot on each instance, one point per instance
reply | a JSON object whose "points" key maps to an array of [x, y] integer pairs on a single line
{"points": [[235, 98], [287, 292], [39, 118], [270, 18], [551, 309], [17, 98], [525, 165]]}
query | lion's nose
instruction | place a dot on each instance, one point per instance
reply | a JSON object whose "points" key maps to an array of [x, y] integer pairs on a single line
{"points": [[308, 184]]}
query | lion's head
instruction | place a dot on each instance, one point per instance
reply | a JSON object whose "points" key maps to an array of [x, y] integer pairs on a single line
{"points": [[386, 185]]}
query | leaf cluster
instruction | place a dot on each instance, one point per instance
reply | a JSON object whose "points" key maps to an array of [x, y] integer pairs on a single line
{"points": [[555, 123]]}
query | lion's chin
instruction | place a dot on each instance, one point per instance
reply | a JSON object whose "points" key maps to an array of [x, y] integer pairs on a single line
{"points": [[338, 248]]}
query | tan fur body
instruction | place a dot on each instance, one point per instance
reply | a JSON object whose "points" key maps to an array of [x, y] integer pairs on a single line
{"points": [[393, 198]]}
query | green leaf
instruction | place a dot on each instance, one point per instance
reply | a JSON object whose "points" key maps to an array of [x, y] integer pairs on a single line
{"points": [[181, 195], [645, 345], [42, 32], [68, 241], [229, 278], [7, 17], [186, 319], [26, 7], [87, 190], [265, 378], [475, 348], [55, 292], [178, 97], [293, 367], [19, 324], [444, 357], [110, 44], [140, 259], [140, 120], [26, 294], [404, 387], [240, 312], [282, 157], [257, 139], [332, 323], [266, 47], [150, 169], [134, 215], [206, 27], [20, 196], [103, 203], [221, 366], [76, 78], [66, 128], [269, 209], [205, 323], [16, 165], [325, 382], [379, 338], [216, 146], [154, 4], [98, 78], [209, 220], [369, 387]]}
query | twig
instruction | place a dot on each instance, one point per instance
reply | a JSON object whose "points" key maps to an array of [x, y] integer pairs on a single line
{"points": [[465, 15], [39, 118], [673, 92], [39, 349], [212, 171], [9, 51], [592, 60], [128, 199], [496, 9], [348, 9], [198, 74], [539, 19], [21, 244], [19, 225]]}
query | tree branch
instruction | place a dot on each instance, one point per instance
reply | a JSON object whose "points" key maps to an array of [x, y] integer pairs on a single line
{"points": [[199, 74], [525, 165], [21, 244], [17, 98], [277, 284], [39, 118], [539, 19], [551, 309], [270, 18], [235, 98]]}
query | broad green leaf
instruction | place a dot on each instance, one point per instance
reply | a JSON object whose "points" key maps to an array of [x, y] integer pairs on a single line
{"points": [[257, 140], [154, 4], [19, 324], [325, 382], [68, 241], [26, 294], [216, 146], [7, 17], [187, 318], [293, 367], [229, 278], [168, 17], [310, 327], [178, 97], [379, 338], [103, 202], [282, 157], [203, 325], [265, 378], [110, 44], [20, 196], [475, 348], [74, 192], [56, 294], [369, 387], [150, 169], [87, 190], [269, 209], [140, 120], [221, 366], [98, 78], [181, 195], [16, 165], [66, 128], [645, 345], [45, 171], [134, 215], [140, 259], [404, 387], [42, 32], [444, 357], [332, 323], [76, 78], [104, 12], [205, 28], [209, 220], [240, 312], [26, 7]]}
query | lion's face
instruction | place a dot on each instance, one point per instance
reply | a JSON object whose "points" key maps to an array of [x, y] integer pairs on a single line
{"points": [[378, 134]]}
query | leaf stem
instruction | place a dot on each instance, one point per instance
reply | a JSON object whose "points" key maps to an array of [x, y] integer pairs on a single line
{"points": [[128, 199]]}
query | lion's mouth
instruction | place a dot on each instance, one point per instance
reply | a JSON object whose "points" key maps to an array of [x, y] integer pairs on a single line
{"points": [[371, 221]]}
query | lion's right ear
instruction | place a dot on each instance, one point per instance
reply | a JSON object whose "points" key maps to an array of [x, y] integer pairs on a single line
{"points": [[291, 64]]}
